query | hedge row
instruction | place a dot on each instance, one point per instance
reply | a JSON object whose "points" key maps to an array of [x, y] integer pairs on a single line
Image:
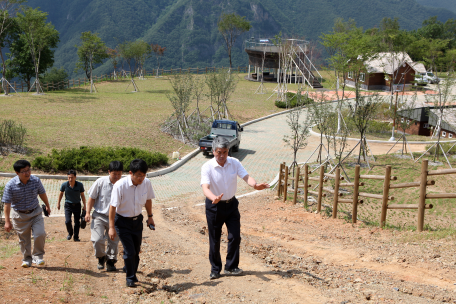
{"points": [[95, 159], [293, 101]]}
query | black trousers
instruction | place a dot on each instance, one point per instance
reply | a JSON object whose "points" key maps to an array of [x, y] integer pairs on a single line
{"points": [[73, 209], [217, 215], [129, 230]]}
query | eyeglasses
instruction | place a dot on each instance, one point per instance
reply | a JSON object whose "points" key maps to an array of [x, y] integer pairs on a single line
{"points": [[140, 176], [26, 171]]}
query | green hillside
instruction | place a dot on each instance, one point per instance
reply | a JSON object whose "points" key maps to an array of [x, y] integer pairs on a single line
{"points": [[188, 29], [448, 4]]}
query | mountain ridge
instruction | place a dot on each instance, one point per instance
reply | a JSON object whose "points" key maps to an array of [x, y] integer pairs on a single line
{"points": [[188, 28]]}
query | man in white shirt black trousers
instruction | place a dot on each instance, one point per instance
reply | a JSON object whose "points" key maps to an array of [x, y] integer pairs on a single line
{"points": [[129, 195], [219, 183]]}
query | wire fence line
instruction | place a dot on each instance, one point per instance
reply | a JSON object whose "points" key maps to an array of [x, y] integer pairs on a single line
{"points": [[21, 86]]}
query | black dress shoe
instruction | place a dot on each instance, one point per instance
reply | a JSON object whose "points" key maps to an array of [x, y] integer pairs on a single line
{"points": [[214, 275], [76, 239], [110, 265], [69, 237], [131, 284], [234, 271]]}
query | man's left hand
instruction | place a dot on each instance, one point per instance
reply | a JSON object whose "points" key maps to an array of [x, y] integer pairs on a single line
{"points": [[261, 186], [150, 220], [48, 209]]}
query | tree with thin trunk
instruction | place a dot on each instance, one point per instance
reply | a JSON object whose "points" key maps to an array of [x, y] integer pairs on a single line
{"points": [[113, 55], [159, 51], [363, 111], [91, 51], [8, 31], [231, 26], [319, 111], [221, 85], [299, 124], [38, 34]]}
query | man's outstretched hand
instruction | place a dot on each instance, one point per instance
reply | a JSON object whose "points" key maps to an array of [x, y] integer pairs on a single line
{"points": [[261, 186], [217, 199]]}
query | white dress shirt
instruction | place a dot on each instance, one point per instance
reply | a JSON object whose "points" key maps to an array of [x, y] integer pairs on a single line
{"points": [[222, 179], [101, 192], [130, 199]]}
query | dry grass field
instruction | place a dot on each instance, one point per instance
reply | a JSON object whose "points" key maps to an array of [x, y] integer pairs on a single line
{"points": [[115, 116]]}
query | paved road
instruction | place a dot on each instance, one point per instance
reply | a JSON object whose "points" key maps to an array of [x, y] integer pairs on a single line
{"points": [[262, 150]]}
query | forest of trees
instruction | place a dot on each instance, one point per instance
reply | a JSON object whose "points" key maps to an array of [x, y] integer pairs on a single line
{"points": [[188, 29]]}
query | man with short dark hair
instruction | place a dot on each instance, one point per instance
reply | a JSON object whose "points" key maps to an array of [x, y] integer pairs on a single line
{"points": [[20, 198], [99, 199], [73, 191], [129, 195], [219, 183]]}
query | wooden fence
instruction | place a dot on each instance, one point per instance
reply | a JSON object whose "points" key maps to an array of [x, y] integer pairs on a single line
{"points": [[288, 178], [73, 83]]}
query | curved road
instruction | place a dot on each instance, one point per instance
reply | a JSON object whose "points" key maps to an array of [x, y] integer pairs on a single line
{"points": [[262, 150]]}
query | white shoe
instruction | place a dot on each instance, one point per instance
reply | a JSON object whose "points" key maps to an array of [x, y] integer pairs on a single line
{"points": [[25, 264], [38, 261]]}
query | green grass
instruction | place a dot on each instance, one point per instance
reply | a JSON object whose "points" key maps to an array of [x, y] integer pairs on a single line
{"points": [[113, 117], [8, 250]]}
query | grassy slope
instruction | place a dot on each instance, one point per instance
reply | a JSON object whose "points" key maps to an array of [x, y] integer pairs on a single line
{"points": [[113, 117]]}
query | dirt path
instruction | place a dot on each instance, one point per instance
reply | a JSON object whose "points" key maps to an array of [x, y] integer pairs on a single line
{"points": [[288, 256]]}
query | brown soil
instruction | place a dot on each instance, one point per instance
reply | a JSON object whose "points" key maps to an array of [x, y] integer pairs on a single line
{"points": [[288, 255]]}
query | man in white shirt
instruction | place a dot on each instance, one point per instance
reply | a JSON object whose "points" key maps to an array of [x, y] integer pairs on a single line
{"points": [[219, 183], [129, 195], [100, 199]]}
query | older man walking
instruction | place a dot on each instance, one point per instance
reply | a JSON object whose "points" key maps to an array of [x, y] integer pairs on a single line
{"points": [[219, 183], [99, 199], [23, 210]]}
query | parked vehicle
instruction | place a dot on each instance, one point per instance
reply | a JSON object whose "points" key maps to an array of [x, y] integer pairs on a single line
{"points": [[430, 77], [425, 78], [229, 129]]}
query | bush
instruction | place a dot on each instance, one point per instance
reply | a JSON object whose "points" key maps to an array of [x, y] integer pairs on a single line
{"points": [[12, 137], [293, 101], [95, 159], [57, 77]]}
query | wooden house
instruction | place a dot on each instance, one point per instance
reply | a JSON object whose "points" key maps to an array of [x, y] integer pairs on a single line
{"points": [[382, 68], [424, 119]]}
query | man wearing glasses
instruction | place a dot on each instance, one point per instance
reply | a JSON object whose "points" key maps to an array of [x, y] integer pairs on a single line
{"points": [[23, 210], [128, 197]]}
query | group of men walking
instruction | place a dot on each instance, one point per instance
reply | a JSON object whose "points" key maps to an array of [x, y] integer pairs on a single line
{"points": [[117, 211]]}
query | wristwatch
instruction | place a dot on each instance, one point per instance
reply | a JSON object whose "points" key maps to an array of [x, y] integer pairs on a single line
{"points": [[150, 215]]}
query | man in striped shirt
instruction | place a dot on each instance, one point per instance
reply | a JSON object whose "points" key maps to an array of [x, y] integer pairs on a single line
{"points": [[23, 210]]}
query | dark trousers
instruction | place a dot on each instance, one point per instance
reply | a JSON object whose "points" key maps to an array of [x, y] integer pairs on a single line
{"points": [[217, 215], [73, 209], [129, 230]]}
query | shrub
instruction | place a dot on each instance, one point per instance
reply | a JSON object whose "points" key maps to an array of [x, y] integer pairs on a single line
{"points": [[55, 76], [12, 137], [293, 101], [95, 159]]}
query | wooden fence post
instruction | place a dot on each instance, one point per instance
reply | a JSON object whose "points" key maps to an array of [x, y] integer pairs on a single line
{"points": [[285, 184], [297, 178], [320, 188], [306, 184], [279, 185], [386, 187], [336, 192], [422, 201], [355, 195]]}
